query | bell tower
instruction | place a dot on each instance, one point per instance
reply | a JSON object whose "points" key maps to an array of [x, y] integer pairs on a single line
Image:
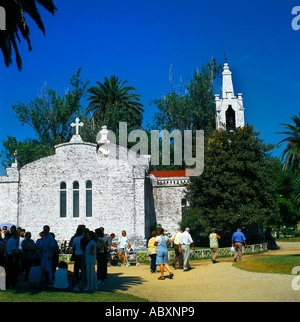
{"points": [[229, 109]]}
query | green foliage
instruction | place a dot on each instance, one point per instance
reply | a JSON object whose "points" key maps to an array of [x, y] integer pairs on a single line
{"points": [[28, 151], [292, 151], [17, 27], [111, 102], [238, 187], [194, 219], [50, 116], [195, 108], [286, 192]]}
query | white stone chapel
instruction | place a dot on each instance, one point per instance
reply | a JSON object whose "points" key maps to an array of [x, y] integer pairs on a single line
{"points": [[102, 185]]}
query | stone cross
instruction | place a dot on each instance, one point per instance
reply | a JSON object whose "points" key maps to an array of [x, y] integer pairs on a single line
{"points": [[16, 156], [77, 124]]}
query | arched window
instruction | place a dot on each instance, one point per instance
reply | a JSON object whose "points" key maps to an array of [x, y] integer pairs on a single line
{"points": [[75, 199], [230, 119], [89, 199], [63, 199]]}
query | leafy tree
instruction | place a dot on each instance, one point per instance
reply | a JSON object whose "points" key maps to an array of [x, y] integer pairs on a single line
{"points": [[237, 187], [17, 27], [292, 151], [111, 102], [28, 151], [193, 218], [286, 193], [195, 108], [50, 117]]}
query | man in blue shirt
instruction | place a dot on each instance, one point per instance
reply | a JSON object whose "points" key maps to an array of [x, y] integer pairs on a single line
{"points": [[238, 238]]}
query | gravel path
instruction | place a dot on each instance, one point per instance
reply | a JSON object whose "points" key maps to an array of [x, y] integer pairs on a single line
{"points": [[208, 282]]}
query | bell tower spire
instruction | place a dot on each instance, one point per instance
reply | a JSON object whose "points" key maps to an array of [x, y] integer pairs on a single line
{"points": [[229, 109]]}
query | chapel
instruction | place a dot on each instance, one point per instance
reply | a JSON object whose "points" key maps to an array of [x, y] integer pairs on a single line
{"points": [[103, 184]]}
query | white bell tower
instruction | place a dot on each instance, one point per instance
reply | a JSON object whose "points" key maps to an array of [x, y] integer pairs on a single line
{"points": [[229, 109]]}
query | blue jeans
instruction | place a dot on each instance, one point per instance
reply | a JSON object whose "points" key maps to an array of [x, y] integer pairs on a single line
{"points": [[153, 263]]}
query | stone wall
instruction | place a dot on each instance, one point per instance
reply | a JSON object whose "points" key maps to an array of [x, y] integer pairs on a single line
{"points": [[117, 192], [168, 194], [9, 194]]}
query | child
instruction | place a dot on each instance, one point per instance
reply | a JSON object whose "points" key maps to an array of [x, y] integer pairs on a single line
{"points": [[130, 251], [64, 280], [38, 276]]}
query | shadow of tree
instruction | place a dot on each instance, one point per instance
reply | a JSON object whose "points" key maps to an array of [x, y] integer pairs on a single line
{"points": [[120, 282]]}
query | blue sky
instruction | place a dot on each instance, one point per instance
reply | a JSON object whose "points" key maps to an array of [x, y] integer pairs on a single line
{"points": [[139, 40]]}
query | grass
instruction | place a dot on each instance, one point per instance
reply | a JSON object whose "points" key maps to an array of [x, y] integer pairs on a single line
{"points": [[275, 264], [289, 239], [23, 295]]}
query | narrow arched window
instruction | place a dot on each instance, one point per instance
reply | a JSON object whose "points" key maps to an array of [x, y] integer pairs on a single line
{"points": [[63, 199], [75, 199], [230, 119], [89, 199]]}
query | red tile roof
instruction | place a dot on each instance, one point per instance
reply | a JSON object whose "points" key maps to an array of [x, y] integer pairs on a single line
{"points": [[170, 174]]}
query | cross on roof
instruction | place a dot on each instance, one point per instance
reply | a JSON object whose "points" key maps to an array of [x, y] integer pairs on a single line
{"points": [[225, 57], [77, 124]]}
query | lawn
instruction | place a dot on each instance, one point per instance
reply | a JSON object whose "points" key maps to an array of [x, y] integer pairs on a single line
{"points": [[275, 264], [23, 295]]}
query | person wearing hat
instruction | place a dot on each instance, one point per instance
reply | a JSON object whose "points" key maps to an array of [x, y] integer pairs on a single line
{"points": [[214, 244]]}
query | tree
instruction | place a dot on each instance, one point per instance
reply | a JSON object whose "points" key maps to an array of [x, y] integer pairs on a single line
{"points": [[50, 116], [111, 102], [237, 187], [195, 108], [292, 151], [28, 151], [286, 192], [16, 25]]}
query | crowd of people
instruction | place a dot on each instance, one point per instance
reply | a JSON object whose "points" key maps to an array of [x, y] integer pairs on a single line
{"points": [[182, 241], [39, 260], [91, 252]]}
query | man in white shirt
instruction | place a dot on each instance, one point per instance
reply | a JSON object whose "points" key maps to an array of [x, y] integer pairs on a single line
{"points": [[185, 242], [178, 255]]}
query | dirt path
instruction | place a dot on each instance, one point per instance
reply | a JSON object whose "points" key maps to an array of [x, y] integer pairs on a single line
{"points": [[207, 282]]}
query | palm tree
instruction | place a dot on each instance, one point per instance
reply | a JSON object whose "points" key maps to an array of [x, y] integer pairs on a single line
{"points": [[112, 101], [292, 151], [16, 25]]}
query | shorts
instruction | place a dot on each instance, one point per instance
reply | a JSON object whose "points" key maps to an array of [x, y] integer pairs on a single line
{"points": [[162, 257], [121, 250]]}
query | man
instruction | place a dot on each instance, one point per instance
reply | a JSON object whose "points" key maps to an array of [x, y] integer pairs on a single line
{"points": [[238, 238], [47, 250], [214, 244], [178, 255], [12, 259], [185, 241]]}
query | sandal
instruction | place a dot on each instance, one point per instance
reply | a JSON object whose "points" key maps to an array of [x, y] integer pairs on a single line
{"points": [[161, 278], [171, 276]]}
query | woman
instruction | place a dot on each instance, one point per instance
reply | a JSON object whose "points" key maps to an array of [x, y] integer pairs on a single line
{"points": [[162, 253], [77, 252], [90, 260], [152, 252], [101, 257], [122, 246]]}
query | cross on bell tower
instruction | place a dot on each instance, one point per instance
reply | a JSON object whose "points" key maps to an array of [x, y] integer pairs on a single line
{"points": [[77, 124]]}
